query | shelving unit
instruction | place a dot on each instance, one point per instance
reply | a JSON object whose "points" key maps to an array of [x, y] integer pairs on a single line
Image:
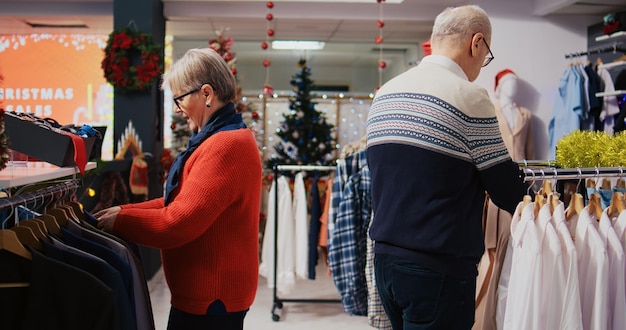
{"points": [[34, 172]]}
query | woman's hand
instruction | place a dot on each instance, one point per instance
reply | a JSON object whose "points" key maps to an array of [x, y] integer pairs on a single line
{"points": [[106, 218]]}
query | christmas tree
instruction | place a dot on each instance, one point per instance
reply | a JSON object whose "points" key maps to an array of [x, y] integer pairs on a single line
{"points": [[180, 133], [306, 138]]}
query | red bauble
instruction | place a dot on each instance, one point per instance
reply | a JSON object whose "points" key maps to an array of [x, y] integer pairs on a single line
{"points": [[382, 64], [268, 90], [379, 40], [255, 115], [228, 57], [270, 177], [173, 126], [264, 45], [269, 17], [266, 63], [270, 5], [234, 71], [380, 24], [270, 32]]}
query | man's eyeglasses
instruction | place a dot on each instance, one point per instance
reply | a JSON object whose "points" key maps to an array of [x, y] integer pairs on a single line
{"points": [[179, 97], [489, 57]]}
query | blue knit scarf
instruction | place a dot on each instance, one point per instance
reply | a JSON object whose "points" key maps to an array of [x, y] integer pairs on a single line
{"points": [[224, 119]]}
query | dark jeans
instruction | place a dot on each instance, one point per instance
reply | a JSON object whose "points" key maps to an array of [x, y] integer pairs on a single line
{"points": [[416, 298], [215, 318]]}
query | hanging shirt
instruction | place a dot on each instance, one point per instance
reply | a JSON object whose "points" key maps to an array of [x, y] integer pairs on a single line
{"points": [[617, 300], [610, 108], [593, 268], [300, 214], [550, 295], [571, 315], [522, 307], [567, 110], [283, 243]]}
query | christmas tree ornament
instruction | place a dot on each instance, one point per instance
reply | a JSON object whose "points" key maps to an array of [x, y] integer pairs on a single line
{"points": [[382, 64]]}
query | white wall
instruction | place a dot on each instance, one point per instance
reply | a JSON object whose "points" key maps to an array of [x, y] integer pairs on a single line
{"points": [[535, 48]]}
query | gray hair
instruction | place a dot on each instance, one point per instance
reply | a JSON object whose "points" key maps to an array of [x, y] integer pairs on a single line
{"points": [[198, 67], [461, 22]]}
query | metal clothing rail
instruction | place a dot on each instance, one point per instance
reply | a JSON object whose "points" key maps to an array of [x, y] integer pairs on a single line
{"points": [[536, 174], [278, 302], [599, 50], [38, 198]]}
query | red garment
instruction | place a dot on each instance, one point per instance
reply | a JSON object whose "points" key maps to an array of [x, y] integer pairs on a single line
{"points": [[208, 234]]}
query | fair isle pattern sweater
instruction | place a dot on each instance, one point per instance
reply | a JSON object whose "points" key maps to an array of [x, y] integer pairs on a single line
{"points": [[208, 234], [434, 148]]}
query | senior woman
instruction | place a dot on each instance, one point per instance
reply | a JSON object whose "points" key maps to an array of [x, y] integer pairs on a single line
{"points": [[207, 223]]}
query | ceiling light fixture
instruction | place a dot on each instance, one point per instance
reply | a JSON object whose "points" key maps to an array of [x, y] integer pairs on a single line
{"points": [[298, 44]]}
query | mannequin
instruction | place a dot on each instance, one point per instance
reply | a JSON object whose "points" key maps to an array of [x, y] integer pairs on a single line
{"points": [[515, 121], [515, 126]]}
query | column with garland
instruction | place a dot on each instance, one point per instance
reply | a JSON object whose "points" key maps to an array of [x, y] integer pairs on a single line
{"points": [[305, 135]]}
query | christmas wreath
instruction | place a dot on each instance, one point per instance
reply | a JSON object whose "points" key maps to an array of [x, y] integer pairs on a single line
{"points": [[132, 60]]}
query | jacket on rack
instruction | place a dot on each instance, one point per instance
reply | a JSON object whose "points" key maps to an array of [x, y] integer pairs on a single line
{"points": [[347, 246]]}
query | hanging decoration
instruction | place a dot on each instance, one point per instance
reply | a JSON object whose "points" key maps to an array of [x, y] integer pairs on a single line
{"points": [[379, 41], [132, 60], [268, 90], [590, 149], [222, 45]]}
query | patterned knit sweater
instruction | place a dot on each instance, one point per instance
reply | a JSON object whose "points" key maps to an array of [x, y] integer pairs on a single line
{"points": [[208, 234], [433, 149]]}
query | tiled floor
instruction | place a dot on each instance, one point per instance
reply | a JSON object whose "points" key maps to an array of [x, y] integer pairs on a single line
{"points": [[300, 316]]}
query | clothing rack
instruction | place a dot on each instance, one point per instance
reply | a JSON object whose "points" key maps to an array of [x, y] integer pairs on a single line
{"points": [[278, 302], [41, 196], [535, 174], [599, 50]]}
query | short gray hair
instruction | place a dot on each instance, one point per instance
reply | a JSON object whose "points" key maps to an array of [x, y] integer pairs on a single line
{"points": [[202, 66], [460, 22]]}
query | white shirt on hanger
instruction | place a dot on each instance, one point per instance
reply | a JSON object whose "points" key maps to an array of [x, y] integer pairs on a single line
{"points": [[571, 315], [593, 268], [617, 300], [551, 288], [284, 242], [301, 227], [522, 307]]}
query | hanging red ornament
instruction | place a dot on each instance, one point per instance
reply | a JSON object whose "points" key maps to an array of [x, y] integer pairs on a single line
{"points": [[382, 64], [270, 32], [173, 126], [380, 24], [379, 40], [255, 115], [234, 71], [266, 63], [264, 45], [268, 90], [270, 5], [270, 177], [269, 17]]}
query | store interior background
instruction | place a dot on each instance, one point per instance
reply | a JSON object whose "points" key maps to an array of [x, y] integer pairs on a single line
{"points": [[530, 37]]}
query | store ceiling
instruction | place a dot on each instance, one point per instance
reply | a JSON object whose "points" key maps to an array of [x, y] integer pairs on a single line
{"points": [[348, 27]]}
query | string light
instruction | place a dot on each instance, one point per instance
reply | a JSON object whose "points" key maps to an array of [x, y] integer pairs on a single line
{"points": [[268, 90]]}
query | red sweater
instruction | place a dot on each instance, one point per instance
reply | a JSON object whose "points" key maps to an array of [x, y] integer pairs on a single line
{"points": [[208, 234]]}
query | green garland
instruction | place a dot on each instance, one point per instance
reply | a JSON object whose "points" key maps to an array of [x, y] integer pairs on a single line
{"points": [[590, 149]]}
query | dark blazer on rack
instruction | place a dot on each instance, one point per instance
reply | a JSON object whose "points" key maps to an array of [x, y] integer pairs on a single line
{"points": [[101, 270], [63, 297]]}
